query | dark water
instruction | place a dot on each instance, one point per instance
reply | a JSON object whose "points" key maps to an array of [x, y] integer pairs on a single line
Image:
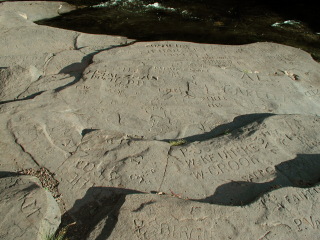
{"points": [[294, 23]]}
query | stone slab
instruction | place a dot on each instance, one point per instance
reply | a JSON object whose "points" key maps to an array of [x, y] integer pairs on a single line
{"points": [[49, 82], [68, 61], [249, 114], [233, 169], [15, 80], [164, 95], [100, 42], [27, 210], [148, 105], [24, 43], [13, 157], [35, 10], [286, 213]]}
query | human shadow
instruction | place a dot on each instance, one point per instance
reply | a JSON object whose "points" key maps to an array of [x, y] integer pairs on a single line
{"points": [[98, 209], [302, 171]]}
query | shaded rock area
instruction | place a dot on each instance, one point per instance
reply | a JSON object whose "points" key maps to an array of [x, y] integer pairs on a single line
{"points": [[94, 116]]}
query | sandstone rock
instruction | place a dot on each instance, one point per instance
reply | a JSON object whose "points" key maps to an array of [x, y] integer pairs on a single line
{"points": [[175, 90], [145, 105], [27, 210], [99, 115], [68, 61], [25, 43], [45, 83], [13, 157], [286, 213], [229, 170], [15, 80], [13, 19], [100, 42], [33, 10]]}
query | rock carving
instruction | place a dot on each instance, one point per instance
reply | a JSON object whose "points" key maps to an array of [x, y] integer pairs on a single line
{"points": [[99, 112]]}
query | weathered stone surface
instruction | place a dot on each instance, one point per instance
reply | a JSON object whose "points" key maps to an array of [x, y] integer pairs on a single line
{"points": [[230, 170], [68, 61], [15, 80], [248, 161], [49, 82], [33, 10], [13, 19], [100, 42], [287, 213], [49, 132], [111, 159], [13, 157], [27, 210], [25, 43], [99, 115], [192, 88]]}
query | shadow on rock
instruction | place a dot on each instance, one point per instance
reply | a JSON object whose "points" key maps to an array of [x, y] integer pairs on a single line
{"points": [[302, 171], [97, 212], [4, 174], [222, 129], [75, 70], [98, 209]]}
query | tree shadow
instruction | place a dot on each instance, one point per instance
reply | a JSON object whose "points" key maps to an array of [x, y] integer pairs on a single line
{"points": [[99, 208], [76, 69], [4, 174], [227, 128], [302, 171]]}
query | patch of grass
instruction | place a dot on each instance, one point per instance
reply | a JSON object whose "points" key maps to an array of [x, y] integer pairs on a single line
{"points": [[177, 142], [60, 235], [226, 132]]}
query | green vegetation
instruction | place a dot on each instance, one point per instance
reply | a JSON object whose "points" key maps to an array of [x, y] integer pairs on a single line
{"points": [[226, 132], [60, 235], [177, 142]]}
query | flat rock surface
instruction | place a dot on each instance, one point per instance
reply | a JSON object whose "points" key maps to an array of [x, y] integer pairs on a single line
{"points": [[27, 210], [287, 213], [35, 10], [175, 90], [99, 113]]}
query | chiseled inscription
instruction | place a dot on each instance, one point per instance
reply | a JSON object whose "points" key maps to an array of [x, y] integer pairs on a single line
{"points": [[306, 197], [215, 101], [30, 207], [244, 92], [157, 230], [233, 158], [307, 223], [259, 173], [312, 92], [82, 174]]}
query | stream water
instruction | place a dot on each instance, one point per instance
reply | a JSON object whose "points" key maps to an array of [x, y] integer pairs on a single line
{"points": [[293, 23]]}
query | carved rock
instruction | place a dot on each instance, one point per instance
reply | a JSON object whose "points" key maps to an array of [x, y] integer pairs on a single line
{"points": [[101, 117], [28, 211]]}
